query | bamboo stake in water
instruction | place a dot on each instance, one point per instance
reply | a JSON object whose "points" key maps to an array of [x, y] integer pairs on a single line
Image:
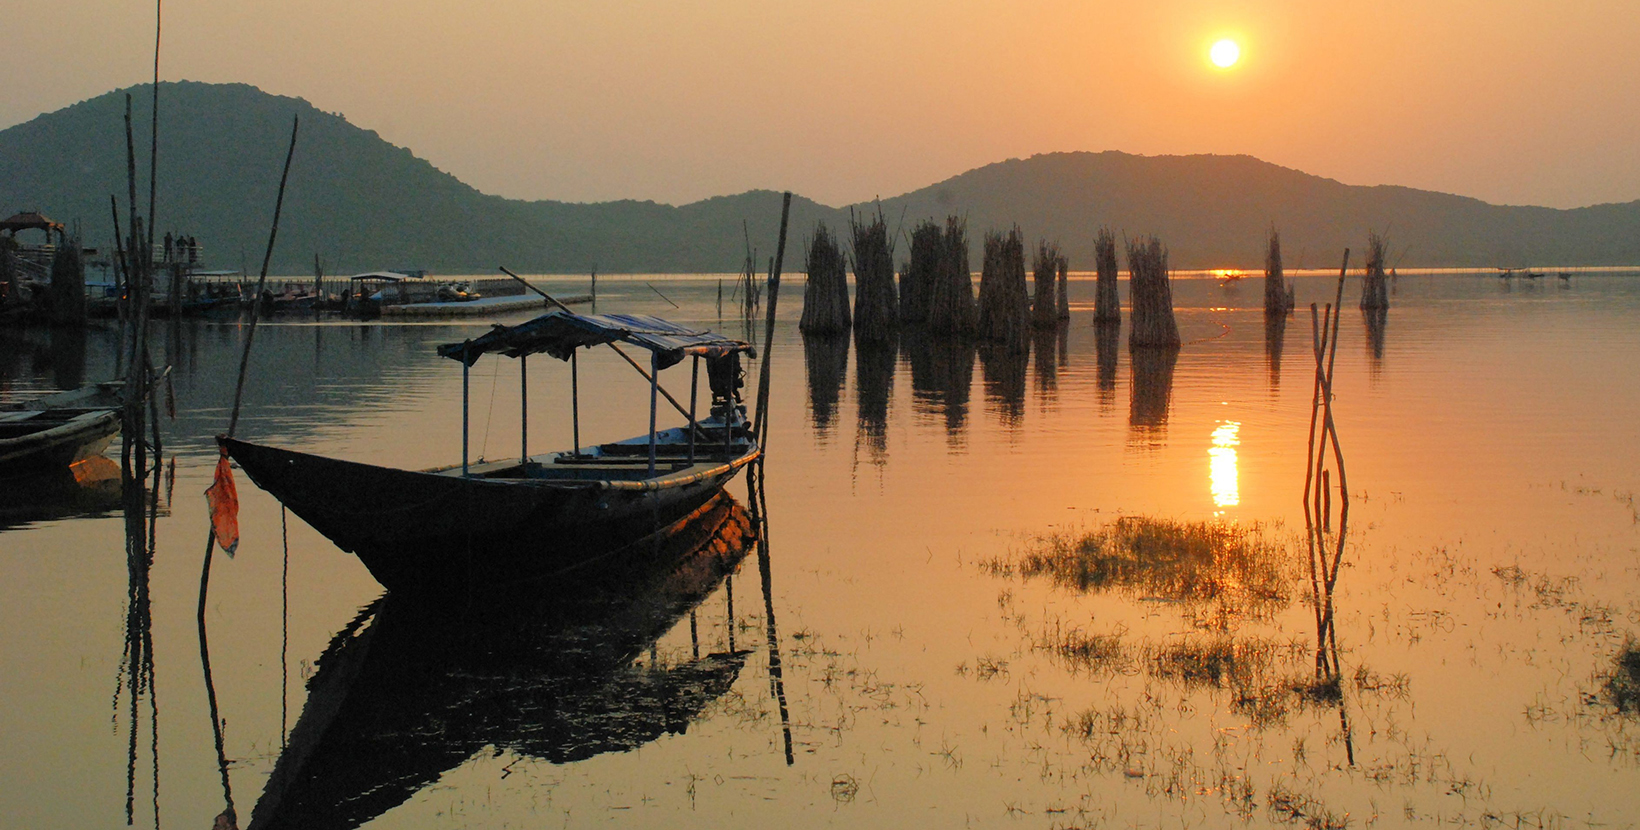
{"points": [[761, 428]]}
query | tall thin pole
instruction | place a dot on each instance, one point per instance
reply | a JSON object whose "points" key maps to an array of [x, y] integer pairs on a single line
{"points": [[262, 281], [524, 406], [466, 370], [762, 426], [694, 392], [575, 401], [654, 399], [153, 137]]}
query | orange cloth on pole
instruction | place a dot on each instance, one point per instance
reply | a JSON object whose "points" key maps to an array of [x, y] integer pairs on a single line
{"points": [[223, 498]]}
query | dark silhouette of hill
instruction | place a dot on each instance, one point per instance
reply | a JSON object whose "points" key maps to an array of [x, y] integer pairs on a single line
{"points": [[363, 203], [1213, 211]]}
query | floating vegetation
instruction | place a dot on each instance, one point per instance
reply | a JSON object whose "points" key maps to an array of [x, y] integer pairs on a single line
{"points": [[1623, 685], [1236, 571]]}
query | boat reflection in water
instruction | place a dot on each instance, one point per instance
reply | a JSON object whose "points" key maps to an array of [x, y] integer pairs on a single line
{"points": [[405, 693]]}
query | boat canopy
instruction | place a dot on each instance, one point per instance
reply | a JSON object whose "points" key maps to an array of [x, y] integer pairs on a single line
{"points": [[559, 333]]}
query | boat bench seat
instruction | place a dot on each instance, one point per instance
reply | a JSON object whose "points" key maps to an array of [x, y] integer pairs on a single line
{"points": [[661, 458]]}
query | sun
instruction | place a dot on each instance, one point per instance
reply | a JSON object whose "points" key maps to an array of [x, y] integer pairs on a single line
{"points": [[1224, 54]]}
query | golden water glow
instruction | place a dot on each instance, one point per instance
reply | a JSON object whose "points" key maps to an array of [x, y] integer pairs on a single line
{"points": [[1224, 54], [1221, 464]]}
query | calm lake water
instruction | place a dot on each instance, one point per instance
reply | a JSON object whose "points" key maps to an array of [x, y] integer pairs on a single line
{"points": [[1489, 587]]}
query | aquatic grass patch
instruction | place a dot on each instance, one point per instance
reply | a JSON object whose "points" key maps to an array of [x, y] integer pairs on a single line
{"points": [[1623, 685], [1221, 571]]}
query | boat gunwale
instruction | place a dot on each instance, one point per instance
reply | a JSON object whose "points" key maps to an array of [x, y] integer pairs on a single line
{"points": [[674, 479], [86, 427]]}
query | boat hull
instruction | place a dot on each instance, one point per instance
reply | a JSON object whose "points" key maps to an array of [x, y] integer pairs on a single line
{"points": [[432, 532], [29, 446]]}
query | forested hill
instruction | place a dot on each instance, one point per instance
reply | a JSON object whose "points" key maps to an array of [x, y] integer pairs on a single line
{"points": [[363, 203]]}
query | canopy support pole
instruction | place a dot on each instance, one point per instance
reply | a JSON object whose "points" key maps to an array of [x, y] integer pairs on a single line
{"points": [[524, 405], [618, 350], [575, 402], [694, 392], [654, 399], [466, 370]]}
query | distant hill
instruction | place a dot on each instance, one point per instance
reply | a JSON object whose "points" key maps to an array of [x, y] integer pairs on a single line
{"points": [[363, 203]]}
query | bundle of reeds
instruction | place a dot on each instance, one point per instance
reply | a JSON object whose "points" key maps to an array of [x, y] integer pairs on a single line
{"points": [[1278, 296], [1375, 288], [1107, 306], [876, 306], [1064, 288], [1045, 278], [951, 302], [825, 296], [1151, 295], [919, 274], [1004, 304]]}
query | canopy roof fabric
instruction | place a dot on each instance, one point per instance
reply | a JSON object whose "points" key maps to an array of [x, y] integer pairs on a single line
{"points": [[29, 221], [560, 333]]}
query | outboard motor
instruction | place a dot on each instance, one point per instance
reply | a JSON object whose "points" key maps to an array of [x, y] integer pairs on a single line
{"points": [[727, 378]]}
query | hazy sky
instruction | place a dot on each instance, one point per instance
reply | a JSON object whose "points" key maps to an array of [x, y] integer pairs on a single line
{"points": [[1511, 101]]}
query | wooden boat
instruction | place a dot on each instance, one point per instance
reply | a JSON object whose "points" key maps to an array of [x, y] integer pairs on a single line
{"points": [[405, 693], [57, 430], [90, 487], [529, 517]]}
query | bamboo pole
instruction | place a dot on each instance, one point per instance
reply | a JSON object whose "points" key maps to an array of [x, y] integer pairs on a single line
{"points": [[761, 427], [262, 281]]}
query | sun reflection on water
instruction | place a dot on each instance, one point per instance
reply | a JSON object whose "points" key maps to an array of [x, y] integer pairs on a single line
{"points": [[1221, 470]]}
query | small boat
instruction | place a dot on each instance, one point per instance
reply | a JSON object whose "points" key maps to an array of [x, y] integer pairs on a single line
{"points": [[527, 518], [54, 431], [90, 487]]}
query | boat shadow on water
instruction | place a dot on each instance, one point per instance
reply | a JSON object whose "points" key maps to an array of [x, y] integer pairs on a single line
{"points": [[406, 692]]}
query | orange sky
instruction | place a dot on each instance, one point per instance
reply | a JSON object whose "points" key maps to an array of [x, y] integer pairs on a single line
{"points": [[1511, 101]]}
